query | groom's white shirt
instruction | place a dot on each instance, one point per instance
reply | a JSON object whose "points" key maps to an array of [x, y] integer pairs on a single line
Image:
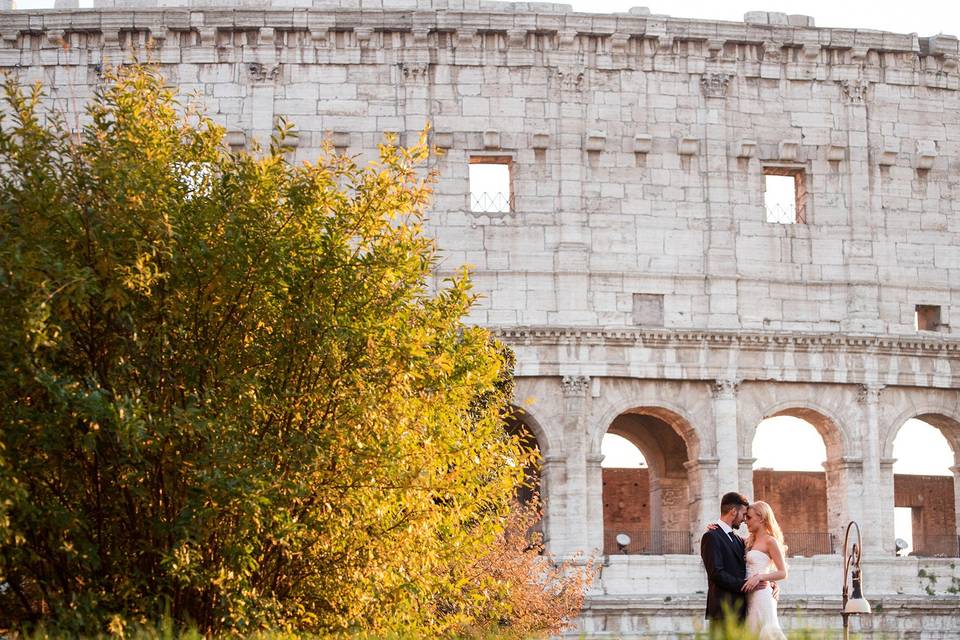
{"points": [[726, 528]]}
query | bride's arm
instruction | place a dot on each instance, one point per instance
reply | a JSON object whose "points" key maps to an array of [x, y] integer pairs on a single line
{"points": [[760, 580], [776, 554]]}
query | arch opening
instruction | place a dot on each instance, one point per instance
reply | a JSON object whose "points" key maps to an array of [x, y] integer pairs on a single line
{"points": [[925, 487], [791, 456], [521, 425], [648, 501]]}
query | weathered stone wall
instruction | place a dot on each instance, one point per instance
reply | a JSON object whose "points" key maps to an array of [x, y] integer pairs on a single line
{"points": [[638, 144]]}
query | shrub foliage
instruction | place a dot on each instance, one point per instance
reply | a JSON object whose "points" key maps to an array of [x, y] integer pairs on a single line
{"points": [[233, 396]]}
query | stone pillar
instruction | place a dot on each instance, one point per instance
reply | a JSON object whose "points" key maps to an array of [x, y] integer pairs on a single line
{"points": [[725, 429], [887, 503], [260, 101], [874, 539], [416, 91], [720, 249], [703, 494], [553, 484], [578, 486], [844, 496], [569, 87], [593, 526], [863, 300], [745, 467]]}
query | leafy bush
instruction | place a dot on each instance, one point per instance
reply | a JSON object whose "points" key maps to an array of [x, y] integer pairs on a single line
{"points": [[231, 397], [540, 595]]}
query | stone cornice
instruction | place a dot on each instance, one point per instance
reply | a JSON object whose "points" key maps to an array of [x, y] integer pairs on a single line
{"points": [[796, 341], [738, 356], [606, 42], [658, 27]]}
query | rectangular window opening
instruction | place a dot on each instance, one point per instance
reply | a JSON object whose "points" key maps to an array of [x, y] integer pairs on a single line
{"points": [[785, 195], [491, 184], [927, 317]]}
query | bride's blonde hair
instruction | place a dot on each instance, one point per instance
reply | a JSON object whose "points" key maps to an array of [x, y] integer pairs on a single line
{"points": [[765, 513]]}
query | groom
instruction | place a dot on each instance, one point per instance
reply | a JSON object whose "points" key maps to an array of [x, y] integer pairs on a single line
{"points": [[723, 551]]}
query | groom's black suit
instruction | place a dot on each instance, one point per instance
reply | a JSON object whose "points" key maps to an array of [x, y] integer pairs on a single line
{"points": [[726, 567]]}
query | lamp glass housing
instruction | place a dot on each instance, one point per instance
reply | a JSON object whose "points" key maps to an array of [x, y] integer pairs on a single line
{"points": [[856, 606]]}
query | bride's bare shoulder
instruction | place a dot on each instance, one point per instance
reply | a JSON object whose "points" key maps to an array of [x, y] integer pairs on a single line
{"points": [[762, 543]]}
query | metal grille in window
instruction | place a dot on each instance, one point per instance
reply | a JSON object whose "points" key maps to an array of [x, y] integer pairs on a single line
{"points": [[780, 214], [486, 202], [785, 195]]}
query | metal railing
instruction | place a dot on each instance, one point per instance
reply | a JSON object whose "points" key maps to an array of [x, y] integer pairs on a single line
{"points": [[662, 542], [936, 546], [779, 214], [646, 542], [808, 544], [491, 202]]}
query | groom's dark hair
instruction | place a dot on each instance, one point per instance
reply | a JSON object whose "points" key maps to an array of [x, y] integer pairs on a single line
{"points": [[731, 500]]}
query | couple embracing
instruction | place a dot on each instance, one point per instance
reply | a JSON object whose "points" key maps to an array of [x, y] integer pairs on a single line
{"points": [[743, 574]]}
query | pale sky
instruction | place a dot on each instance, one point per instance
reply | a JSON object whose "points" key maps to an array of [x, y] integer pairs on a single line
{"points": [[923, 17]]}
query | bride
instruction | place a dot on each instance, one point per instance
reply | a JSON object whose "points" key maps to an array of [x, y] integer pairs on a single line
{"points": [[765, 563]]}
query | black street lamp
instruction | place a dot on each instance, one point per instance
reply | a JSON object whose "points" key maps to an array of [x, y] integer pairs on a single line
{"points": [[853, 604]]}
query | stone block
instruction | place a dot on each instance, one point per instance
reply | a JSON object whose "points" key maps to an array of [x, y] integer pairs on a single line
{"points": [[744, 148], [925, 155], [836, 152], [235, 139], [887, 154], [642, 143], [595, 140], [443, 140], [788, 150], [540, 140], [795, 20], [648, 309], [688, 146]]}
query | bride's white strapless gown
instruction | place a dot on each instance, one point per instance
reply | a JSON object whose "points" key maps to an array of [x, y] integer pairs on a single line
{"points": [[761, 607]]}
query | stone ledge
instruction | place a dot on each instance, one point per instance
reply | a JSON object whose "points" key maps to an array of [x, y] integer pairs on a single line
{"points": [[679, 605], [743, 339], [643, 618], [631, 41], [661, 28]]}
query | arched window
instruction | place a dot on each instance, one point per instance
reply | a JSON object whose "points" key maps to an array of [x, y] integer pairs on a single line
{"points": [[645, 485], [788, 473], [924, 500]]}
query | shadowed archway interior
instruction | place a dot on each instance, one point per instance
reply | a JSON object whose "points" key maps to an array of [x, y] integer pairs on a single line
{"points": [[518, 425], [649, 505]]}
